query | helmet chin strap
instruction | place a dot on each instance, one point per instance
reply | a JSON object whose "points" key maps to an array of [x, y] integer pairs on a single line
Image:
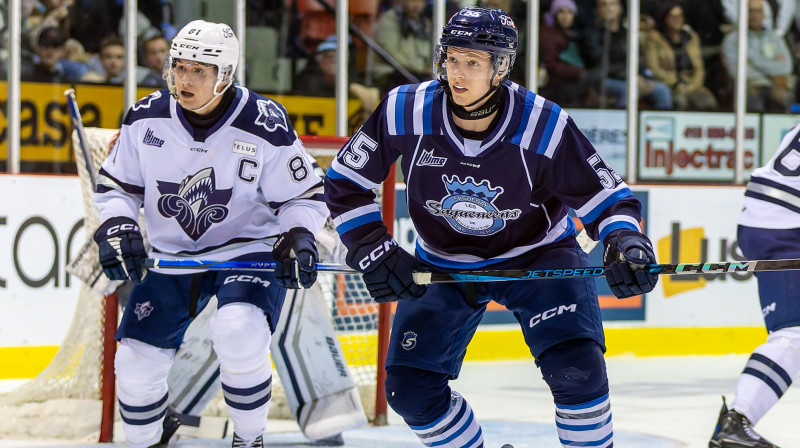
{"points": [[208, 103], [482, 112]]}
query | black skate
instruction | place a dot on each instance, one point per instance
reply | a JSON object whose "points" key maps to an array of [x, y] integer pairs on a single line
{"points": [[170, 425], [733, 431], [336, 440], [238, 442]]}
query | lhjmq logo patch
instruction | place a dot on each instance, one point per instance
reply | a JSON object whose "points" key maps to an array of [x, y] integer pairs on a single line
{"points": [[409, 340]]}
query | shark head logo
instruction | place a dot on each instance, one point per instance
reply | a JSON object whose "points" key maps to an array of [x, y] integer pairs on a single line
{"points": [[195, 203]]}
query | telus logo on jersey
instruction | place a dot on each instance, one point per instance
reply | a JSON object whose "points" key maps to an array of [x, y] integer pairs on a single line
{"points": [[469, 207], [428, 159], [195, 203]]}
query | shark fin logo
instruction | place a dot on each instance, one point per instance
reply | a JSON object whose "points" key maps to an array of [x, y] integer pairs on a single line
{"points": [[195, 203]]}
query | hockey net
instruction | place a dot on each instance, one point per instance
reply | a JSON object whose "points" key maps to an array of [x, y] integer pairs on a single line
{"points": [[67, 399]]}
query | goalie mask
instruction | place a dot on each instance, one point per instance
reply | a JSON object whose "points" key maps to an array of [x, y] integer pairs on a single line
{"points": [[205, 43], [477, 33]]}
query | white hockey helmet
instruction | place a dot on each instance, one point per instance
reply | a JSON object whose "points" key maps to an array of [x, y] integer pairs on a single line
{"points": [[207, 43]]}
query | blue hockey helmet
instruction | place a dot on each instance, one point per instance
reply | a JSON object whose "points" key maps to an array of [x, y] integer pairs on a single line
{"points": [[483, 29]]}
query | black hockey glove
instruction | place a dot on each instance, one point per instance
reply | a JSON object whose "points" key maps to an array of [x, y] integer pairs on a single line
{"points": [[122, 251], [387, 268], [296, 253], [627, 252]]}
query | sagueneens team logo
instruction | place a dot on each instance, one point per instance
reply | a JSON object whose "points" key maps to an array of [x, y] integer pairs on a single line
{"points": [[195, 203], [409, 340], [469, 207]]}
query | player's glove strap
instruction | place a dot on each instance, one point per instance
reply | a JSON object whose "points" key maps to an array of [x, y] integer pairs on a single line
{"points": [[296, 253], [626, 254], [387, 268], [122, 251]]}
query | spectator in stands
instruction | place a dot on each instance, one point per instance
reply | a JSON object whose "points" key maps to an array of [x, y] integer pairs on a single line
{"points": [[605, 51], [318, 78], [778, 22], [112, 57], [153, 52], [769, 63], [405, 33], [568, 82], [672, 53], [48, 64]]}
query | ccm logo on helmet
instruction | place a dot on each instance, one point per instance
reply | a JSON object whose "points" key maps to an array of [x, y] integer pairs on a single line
{"points": [[376, 253], [553, 312], [461, 33], [122, 228]]}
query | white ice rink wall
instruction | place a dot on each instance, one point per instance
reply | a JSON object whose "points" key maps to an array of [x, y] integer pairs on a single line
{"points": [[40, 228]]}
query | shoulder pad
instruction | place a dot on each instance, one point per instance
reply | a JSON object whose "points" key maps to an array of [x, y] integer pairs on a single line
{"points": [[267, 119], [155, 105]]}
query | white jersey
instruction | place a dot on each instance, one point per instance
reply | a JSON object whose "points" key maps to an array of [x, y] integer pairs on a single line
{"points": [[215, 194], [772, 198]]}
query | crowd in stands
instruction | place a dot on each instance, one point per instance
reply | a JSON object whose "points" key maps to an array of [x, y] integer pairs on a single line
{"points": [[687, 48]]}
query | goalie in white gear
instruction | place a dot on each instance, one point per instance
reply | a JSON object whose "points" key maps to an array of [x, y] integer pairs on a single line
{"points": [[221, 175]]}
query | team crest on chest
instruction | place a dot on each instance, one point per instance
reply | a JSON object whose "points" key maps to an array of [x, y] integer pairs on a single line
{"points": [[195, 203], [271, 116], [469, 207]]}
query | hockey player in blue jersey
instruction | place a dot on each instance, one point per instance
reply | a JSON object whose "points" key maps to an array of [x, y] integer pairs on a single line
{"points": [[769, 228], [221, 174], [490, 169]]}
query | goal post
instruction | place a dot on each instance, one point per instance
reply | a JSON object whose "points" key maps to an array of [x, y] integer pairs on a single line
{"points": [[73, 398]]}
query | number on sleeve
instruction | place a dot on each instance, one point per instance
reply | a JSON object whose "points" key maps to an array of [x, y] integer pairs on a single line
{"points": [[298, 168], [788, 162], [356, 155]]}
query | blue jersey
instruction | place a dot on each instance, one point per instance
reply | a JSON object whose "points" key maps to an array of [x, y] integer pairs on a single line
{"points": [[476, 203]]}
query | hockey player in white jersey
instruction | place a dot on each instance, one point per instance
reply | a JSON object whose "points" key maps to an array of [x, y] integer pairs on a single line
{"points": [[491, 169], [769, 228], [221, 174]]}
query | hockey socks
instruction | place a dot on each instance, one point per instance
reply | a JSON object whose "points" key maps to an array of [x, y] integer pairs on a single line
{"points": [[768, 374], [587, 424], [457, 428]]}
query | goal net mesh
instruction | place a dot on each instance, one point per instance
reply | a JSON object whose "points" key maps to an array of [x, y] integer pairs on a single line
{"points": [[64, 401]]}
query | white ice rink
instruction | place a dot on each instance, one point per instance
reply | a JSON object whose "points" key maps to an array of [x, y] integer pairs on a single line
{"points": [[660, 402]]}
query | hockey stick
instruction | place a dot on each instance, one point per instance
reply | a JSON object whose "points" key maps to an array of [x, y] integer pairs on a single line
{"points": [[77, 123], [725, 267], [162, 263], [424, 278]]}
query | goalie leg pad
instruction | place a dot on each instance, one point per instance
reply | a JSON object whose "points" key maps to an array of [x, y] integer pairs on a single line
{"points": [[768, 374], [308, 358], [141, 371], [241, 338], [438, 416]]}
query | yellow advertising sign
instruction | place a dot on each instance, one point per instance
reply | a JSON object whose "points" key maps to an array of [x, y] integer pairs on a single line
{"points": [[46, 126]]}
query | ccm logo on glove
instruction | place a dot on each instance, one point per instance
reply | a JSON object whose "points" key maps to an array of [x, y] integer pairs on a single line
{"points": [[376, 254]]}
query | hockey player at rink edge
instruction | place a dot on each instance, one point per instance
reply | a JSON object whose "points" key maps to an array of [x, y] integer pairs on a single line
{"points": [[221, 174], [768, 228], [490, 169]]}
